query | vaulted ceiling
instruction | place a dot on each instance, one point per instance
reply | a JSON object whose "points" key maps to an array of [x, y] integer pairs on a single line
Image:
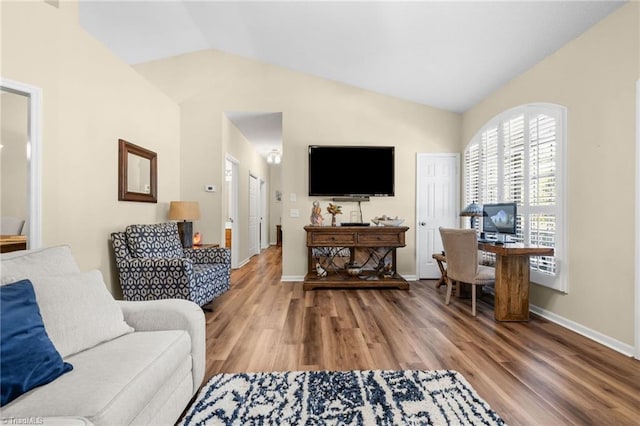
{"points": [[446, 54]]}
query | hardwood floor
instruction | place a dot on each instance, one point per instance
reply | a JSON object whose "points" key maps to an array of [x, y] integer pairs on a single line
{"points": [[534, 373]]}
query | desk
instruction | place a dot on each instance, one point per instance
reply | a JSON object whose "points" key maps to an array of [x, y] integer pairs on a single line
{"points": [[512, 278], [12, 243]]}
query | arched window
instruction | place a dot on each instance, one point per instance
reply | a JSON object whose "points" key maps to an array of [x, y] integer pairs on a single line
{"points": [[519, 156]]}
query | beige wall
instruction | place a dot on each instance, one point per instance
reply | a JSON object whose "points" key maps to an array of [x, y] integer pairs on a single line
{"points": [[315, 111], [250, 163], [14, 168], [594, 77], [90, 99], [275, 207]]}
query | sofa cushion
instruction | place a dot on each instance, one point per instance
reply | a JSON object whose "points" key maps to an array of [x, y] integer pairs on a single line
{"points": [[112, 381], [27, 357], [47, 261], [78, 311], [156, 240]]}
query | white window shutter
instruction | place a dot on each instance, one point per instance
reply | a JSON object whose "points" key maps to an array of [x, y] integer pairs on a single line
{"points": [[515, 157]]}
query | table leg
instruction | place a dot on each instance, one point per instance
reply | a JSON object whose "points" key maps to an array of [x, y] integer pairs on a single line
{"points": [[512, 288], [443, 274]]}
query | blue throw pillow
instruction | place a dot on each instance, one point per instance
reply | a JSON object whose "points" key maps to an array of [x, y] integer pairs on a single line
{"points": [[27, 357]]}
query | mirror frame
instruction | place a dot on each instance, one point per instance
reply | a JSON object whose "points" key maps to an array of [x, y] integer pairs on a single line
{"points": [[124, 149], [34, 94]]}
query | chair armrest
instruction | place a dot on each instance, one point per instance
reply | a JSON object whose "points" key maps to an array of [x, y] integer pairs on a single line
{"points": [[209, 255], [150, 278], [171, 314]]}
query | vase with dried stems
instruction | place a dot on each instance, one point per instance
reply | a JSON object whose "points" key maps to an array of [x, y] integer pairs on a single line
{"points": [[333, 210]]}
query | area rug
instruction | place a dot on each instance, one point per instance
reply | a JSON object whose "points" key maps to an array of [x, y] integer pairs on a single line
{"points": [[374, 397]]}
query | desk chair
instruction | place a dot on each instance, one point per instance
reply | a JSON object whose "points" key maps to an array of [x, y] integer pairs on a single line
{"points": [[461, 250]]}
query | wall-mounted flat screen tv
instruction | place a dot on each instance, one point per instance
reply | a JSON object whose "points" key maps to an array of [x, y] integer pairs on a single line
{"points": [[351, 171]]}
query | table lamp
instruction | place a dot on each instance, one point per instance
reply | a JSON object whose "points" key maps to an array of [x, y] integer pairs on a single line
{"points": [[185, 211], [473, 210]]}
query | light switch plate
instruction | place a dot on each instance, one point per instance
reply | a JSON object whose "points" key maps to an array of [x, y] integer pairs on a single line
{"points": [[294, 213], [293, 197]]}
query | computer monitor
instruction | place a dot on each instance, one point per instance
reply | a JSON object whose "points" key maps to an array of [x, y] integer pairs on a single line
{"points": [[499, 218]]}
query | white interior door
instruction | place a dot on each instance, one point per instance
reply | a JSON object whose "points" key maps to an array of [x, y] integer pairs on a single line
{"points": [[438, 204], [254, 216]]}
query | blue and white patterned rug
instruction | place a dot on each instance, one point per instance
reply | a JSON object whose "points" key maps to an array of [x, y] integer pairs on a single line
{"points": [[372, 397]]}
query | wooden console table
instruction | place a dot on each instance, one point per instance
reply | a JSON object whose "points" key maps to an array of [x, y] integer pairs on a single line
{"points": [[512, 278], [371, 247]]}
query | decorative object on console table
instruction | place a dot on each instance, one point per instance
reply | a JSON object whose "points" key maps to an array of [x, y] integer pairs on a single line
{"points": [[385, 220], [334, 209], [473, 210], [354, 269], [185, 211], [316, 214]]}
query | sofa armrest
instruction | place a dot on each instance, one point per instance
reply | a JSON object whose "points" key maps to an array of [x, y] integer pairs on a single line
{"points": [[209, 255], [172, 314]]}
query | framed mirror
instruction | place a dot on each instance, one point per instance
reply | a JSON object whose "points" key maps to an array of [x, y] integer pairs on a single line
{"points": [[137, 173]]}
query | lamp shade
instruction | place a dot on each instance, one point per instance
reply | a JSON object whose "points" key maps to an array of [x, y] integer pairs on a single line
{"points": [[184, 210], [472, 210]]}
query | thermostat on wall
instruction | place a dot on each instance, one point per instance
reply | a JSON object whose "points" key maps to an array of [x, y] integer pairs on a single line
{"points": [[210, 188]]}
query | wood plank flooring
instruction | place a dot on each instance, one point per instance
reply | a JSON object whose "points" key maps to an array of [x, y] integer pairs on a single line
{"points": [[534, 373]]}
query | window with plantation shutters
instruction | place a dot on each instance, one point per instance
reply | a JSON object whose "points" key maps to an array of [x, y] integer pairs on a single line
{"points": [[518, 156]]}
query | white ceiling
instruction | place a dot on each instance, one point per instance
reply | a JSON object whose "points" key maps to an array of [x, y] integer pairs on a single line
{"points": [[446, 54], [264, 130]]}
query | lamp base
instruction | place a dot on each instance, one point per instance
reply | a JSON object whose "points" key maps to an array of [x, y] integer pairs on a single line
{"points": [[185, 230]]}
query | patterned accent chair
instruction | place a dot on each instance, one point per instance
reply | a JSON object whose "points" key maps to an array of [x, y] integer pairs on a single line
{"points": [[153, 265]]}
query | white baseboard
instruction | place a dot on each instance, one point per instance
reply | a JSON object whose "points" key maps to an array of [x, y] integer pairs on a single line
{"points": [[290, 278], [410, 277], [244, 262], [596, 336]]}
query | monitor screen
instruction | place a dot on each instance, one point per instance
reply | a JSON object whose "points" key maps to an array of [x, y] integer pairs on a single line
{"points": [[351, 171], [499, 218]]}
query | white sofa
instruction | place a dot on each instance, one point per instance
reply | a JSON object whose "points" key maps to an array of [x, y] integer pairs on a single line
{"points": [[146, 374]]}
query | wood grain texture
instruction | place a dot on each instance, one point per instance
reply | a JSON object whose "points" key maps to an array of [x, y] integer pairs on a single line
{"points": [[512, 288], [531, 373], [361, 242]]}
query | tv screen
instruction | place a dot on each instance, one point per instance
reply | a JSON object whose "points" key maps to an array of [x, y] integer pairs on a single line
{"points": [[499, 218], [351, 171]]}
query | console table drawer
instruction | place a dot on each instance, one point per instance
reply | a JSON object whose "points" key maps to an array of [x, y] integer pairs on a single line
{"points": [[390, 239], [331, 239]]}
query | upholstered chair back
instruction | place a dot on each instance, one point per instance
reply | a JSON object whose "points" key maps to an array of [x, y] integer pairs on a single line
{"points": [[461, 251], [155, 240]]}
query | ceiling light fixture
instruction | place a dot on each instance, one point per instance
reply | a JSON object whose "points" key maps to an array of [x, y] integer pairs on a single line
{"points": [[274, 157]]}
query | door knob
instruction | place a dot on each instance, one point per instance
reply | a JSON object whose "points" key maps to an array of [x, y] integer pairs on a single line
{"points": [[423, 223]]}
